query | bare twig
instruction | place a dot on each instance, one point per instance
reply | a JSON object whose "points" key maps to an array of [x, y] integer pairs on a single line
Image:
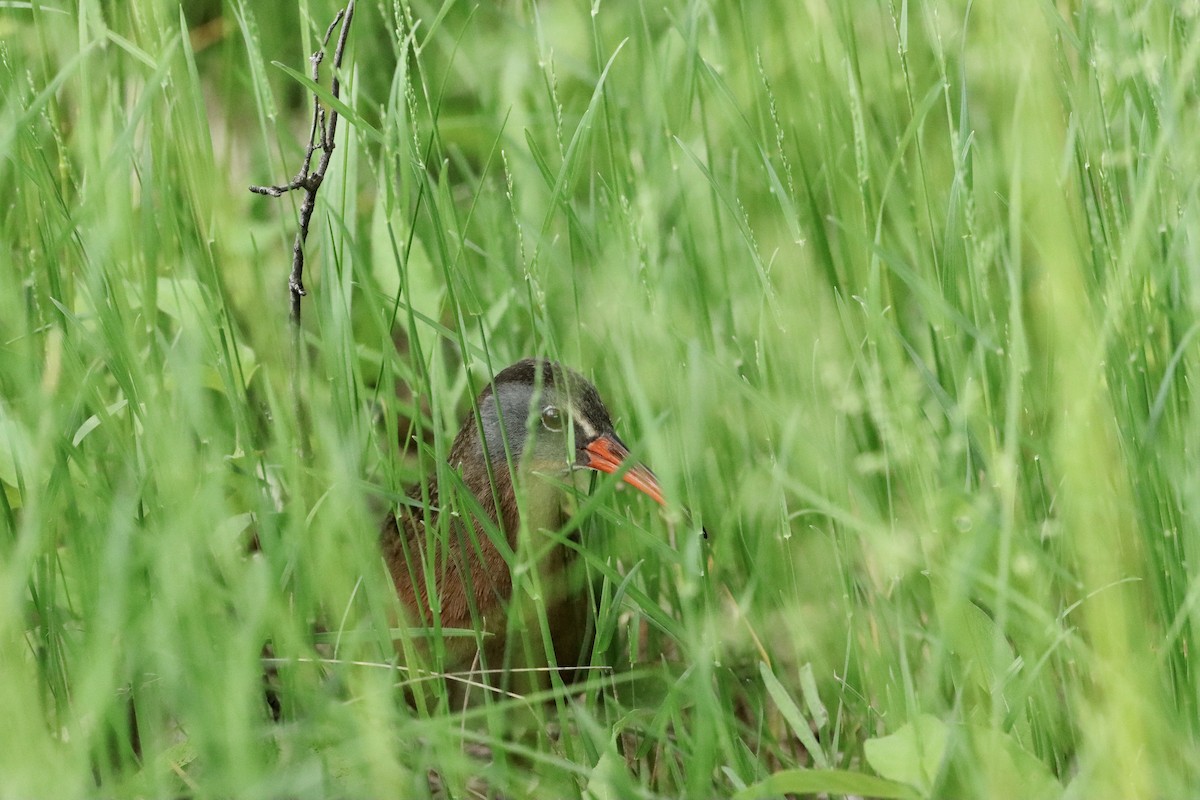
{"points": [[321, 136]]}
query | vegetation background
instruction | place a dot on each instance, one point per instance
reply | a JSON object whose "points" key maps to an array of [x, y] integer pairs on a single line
{"points": [[898, 297]]}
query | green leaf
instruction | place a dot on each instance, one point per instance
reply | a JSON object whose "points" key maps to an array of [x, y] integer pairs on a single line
{"points": [[792, 713], [827, 781], [16, 453], [812, 698], [978, 641], [1009, 769], [91, 423], [610, 778], [912, 755], [336, 103]]}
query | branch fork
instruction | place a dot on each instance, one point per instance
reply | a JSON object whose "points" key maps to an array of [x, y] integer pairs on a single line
{"points": [[321, 137]]}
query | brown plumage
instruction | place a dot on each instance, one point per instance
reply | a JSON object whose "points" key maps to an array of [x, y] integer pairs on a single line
{"points": [[553, 423]]}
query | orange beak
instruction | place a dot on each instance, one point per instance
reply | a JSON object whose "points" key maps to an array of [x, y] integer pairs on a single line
{"points": [[606, 453]]}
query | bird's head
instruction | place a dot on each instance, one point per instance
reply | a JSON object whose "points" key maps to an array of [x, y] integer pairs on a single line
{"points": [[554, 421]]}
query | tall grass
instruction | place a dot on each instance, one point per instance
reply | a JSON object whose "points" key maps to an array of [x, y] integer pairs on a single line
{"points": [[895, 297]]}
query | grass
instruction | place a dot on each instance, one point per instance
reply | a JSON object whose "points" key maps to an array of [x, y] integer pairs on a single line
{"points": [[896, 297]]}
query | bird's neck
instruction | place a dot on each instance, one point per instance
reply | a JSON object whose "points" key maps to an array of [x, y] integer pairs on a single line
{"points": [[544, 502], [533, 493]]}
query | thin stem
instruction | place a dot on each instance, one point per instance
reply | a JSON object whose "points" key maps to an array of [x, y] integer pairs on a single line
{"points": [[321, 136]]}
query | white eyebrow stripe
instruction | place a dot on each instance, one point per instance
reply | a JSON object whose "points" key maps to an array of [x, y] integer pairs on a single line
{"points": [[588, 430]]}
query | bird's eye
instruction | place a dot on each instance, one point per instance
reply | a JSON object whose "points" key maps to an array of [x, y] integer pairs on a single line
{"points": [[552, 419]]}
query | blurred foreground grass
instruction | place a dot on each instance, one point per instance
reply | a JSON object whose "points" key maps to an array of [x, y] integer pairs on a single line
{"points": [[897, 297]]}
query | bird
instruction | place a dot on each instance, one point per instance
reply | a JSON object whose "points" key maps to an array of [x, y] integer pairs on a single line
{"points": [[535, 428]]}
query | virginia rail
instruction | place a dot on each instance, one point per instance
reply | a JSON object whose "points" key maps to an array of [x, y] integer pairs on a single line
{"points": [[546, 422]]}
